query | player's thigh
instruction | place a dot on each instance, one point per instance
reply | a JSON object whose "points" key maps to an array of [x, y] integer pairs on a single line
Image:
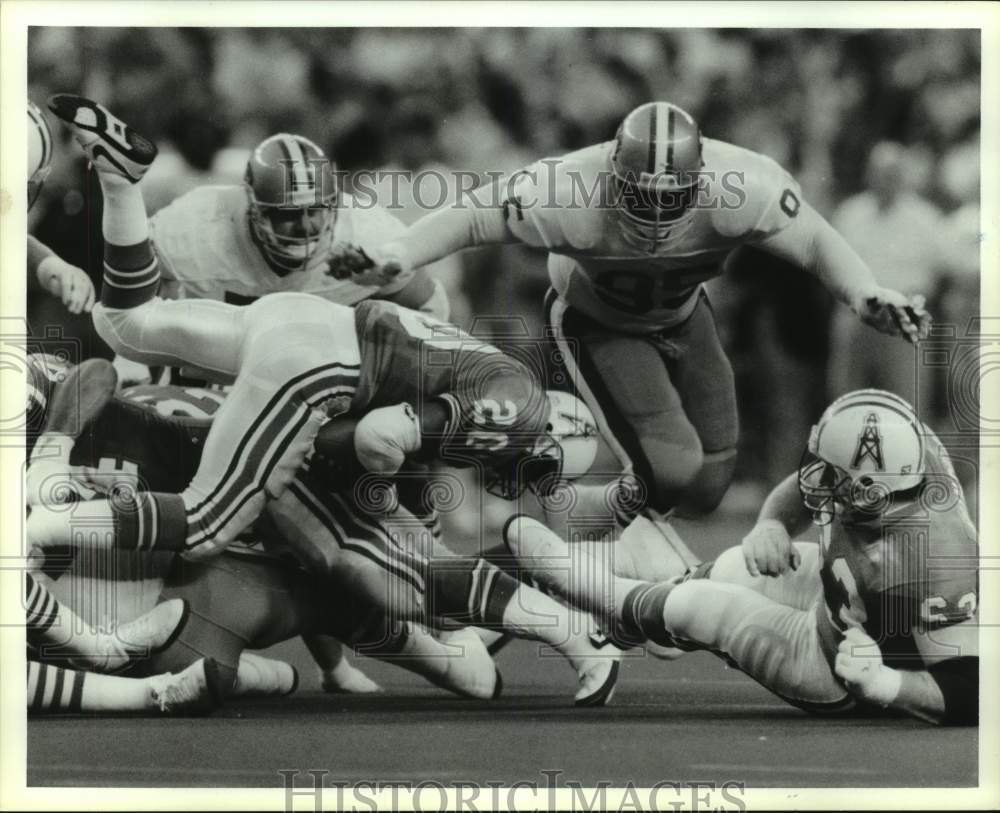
{"points": [[335, 538], [625, 383], [703, 377], [199, 332], [259, 440]]}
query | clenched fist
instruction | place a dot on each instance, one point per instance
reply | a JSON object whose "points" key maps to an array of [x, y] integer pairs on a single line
{"points": [[377, 268], [859, 665], [768, 549]]}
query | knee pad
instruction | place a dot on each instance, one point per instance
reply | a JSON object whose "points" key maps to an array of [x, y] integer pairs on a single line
{"points": [[671, 470]]}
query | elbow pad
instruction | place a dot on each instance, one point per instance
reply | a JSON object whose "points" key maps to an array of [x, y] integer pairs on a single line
{"points": [[958, 679]]}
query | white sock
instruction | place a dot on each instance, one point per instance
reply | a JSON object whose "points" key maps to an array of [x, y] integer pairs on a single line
{"points": [[124, 222]]}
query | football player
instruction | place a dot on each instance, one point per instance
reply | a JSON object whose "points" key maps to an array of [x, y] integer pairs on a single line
{"points": [[276, 232], [298, 360], [633, 228], [96, 442], [881, 614]]}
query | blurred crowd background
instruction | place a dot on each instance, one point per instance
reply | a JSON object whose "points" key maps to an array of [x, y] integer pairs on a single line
{"points": [[880, 127]]}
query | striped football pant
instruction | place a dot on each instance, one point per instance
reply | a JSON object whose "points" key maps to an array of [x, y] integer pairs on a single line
{"points": [[291, 355]]}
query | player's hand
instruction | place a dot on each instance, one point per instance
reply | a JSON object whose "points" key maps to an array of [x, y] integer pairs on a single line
{"points": [[376, 267], [768, 549], [67, 283], [891, 312], [131, 373], [859, 665], [54, 482]]}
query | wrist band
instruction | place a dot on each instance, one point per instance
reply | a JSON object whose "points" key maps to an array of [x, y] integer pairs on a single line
{"points": [[884, 688]]}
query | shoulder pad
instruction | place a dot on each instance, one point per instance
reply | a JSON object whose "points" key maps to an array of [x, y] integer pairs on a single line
{"points": [[767, 198]]}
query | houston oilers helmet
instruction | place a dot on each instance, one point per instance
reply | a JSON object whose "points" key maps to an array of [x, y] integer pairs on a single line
{"points": [[293, 194], [656, 164], [39, 152], [866, 446]]}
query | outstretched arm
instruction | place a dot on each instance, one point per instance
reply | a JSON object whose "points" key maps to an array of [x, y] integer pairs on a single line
{"points": [[478, 218], [814, 245]]}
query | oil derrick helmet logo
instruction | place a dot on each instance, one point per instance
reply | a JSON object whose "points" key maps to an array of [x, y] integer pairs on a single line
{"points": [[869, 444]]}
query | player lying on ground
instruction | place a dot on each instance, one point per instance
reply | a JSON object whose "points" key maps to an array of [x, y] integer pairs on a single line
{"points": [[633, 228], [880, 615], [87, 427], [237, 243]]}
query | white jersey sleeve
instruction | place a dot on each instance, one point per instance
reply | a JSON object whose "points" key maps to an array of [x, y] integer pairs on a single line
{"points": [[768, 199], [545, 205]]}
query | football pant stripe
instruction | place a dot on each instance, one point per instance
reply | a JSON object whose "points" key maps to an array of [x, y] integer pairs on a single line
{"points": [[400, 558], [360, 545], [258, 463], [555, 312], [277, 402], [269, 449], [251, 477]]}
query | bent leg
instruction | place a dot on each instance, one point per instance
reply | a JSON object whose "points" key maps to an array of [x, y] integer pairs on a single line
{"points": [[776, 645], [794, 588], [703, 377]]}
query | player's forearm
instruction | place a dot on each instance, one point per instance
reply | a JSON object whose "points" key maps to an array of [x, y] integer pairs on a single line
{"points": [[919, 695], [38, 252], [784, 505], [814, 245], [470, 223]]}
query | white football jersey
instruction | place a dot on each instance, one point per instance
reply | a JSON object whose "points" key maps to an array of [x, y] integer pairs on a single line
{"points": [[620, 281], [207, 251]]}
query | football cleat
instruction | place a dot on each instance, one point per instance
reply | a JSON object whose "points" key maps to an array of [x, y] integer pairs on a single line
{"points": [[470, 672], [345, 678], [155, 630], [195, 691], [598, 674], [109, 144], [541, 552], [149, 633]]}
